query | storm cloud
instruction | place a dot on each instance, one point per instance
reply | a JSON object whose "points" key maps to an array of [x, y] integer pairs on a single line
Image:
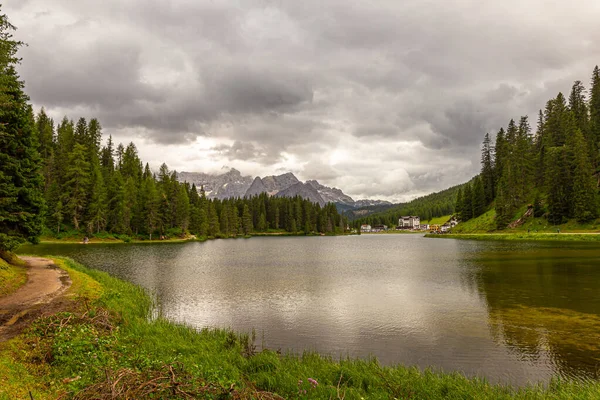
{"points": [[382, 99]]}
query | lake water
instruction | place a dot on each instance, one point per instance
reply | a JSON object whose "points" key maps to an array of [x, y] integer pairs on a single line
{"points": [[511, 312]]}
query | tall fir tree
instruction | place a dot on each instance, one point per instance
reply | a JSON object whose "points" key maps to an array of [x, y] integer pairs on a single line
{"points": [[594, 123], [487, 170], [479, 200], [21, 184], [77, 185], [97, 212], [467, 203], [501, 154], [247, 220], [459, 204], [585, 192], [557, 181], [578, 106]]}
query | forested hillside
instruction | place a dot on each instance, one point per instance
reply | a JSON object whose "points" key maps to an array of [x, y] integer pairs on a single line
{"points": [[554, 171], [431, 206], [92, 189]]}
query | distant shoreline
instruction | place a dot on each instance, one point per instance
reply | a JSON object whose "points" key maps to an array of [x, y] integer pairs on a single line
{"points": [[522, 236], [116, 240]]}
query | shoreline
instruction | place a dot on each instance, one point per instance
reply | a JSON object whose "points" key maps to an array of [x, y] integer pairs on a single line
{"points": [[101, 240], [522, 236]]}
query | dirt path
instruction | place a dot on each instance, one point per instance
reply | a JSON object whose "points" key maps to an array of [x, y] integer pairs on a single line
{"points": [[41, 293]]}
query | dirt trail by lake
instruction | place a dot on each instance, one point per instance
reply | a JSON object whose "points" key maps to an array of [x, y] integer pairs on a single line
{"points": [[42, 293]]}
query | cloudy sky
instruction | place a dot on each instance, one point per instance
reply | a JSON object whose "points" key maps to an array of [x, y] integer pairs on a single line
{"points": [[383, 99]]}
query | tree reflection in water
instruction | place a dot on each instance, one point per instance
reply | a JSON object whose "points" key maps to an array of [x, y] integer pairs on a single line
{"points": [[544, 303]]}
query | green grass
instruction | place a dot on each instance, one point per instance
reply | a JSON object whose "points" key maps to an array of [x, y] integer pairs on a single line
{"points": [[481, 224], [486, 224], [107, 238], [12, 273], [439, 220], [75, 352], [522, 236]]}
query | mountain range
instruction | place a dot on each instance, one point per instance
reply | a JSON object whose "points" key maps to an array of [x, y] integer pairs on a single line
{"points": [[233, 184]]}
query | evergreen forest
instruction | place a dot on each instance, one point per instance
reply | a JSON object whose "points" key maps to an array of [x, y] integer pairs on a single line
{"points": [[95, 189], [554, 171]]}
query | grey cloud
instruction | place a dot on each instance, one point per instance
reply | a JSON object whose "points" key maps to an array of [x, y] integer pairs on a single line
{"points": [[301, 77], [246, 89], [238, 151]]}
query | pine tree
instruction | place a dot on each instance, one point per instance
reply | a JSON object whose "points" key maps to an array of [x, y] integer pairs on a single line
{"points": [[501, 155], [479, 200], [20, 165], [487, 170], [116, 203], [224, 219], [522, 161], [554, 129], [97, 217], [183, 209], [234, 221], [45, 131], [77, 184], [539, 150], [578, 106], [594, 123], [150, 205], [247, 220], [129, 205], [94, 139], [467, 208], [459, 205], [557, 177], [106, 157], [213, 220], [504, 209], [585, 202]]}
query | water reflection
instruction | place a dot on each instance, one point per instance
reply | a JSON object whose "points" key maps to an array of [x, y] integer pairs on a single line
{"points": [[511, 312], [543, 303]]}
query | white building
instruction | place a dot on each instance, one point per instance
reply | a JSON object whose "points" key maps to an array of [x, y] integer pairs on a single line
{"points": [[409, 222], [365, 228]]}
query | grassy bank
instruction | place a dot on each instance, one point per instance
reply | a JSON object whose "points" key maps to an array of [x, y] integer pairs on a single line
{"points": [[534, 229], [106, 345], [438, 220], [110, 238], [521, 236], [12, 273]]}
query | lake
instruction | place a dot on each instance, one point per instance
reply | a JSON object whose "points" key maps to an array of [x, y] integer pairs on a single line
{"points": [[512, 312]]}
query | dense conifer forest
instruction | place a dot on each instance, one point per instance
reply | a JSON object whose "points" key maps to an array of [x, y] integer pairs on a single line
{"points": [[554, 171], [94, 189]]}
